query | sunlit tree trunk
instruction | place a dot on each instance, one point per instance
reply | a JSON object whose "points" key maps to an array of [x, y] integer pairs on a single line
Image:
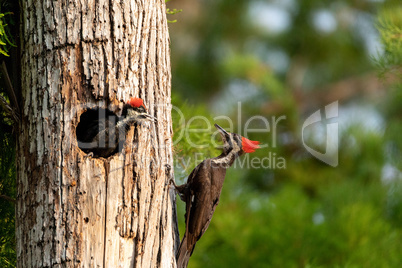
{"points": [[74, 210]]}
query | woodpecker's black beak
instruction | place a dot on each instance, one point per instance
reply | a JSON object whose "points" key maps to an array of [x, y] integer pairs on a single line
{"points": [[225, 135], [146, 116]]}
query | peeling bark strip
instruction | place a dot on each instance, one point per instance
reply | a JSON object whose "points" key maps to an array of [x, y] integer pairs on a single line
{"points": [[77, 211]]}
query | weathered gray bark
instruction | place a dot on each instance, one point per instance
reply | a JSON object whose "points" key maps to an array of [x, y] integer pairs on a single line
{"points": [[81, 211]]}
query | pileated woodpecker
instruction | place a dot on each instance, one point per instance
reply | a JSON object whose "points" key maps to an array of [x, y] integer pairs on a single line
{"points": [[102, 133], [203, 189]]}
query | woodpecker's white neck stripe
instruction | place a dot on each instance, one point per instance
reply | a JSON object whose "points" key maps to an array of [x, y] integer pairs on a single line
{"points": [[230, 157], [226, 159]]}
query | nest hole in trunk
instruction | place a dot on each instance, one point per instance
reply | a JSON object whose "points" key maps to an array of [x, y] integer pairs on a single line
{"points": [[98, 134]]}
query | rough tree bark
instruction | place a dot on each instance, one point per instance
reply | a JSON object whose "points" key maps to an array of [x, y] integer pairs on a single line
{"points": [[74, 210]]}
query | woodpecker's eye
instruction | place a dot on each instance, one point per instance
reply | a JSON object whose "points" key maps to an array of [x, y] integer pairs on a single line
{"points": [[141, 109]]}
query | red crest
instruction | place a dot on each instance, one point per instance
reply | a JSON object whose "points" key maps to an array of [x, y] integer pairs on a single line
{"points": [[136, 102], [249, 146]]}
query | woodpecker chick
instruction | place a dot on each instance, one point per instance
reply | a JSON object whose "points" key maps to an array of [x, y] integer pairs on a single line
{"points": [[203, 188], [102, 133], [135, 111]]}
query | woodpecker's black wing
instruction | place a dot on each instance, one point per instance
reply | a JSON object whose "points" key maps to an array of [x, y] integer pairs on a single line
{"points": [[201, 203], [187, 194], [204, 186]]}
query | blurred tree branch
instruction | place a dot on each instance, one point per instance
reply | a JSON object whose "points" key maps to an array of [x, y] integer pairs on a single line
{"points": [[5, 197], [367, 85], [13, 113]]}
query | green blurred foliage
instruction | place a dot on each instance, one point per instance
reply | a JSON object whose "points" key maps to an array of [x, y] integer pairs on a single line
{"points": [[308, 214], [390, 26], [7, 190], [7, 145], [193, 124], [7, 156], [7, 193], [6, 36]]}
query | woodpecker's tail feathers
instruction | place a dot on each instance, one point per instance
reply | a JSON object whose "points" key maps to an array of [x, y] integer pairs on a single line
{"points": [[183, 254]]}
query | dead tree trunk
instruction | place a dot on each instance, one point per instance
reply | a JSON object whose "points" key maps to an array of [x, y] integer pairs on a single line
{"points": [[74, 210]]}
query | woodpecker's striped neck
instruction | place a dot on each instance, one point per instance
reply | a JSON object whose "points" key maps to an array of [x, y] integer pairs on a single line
{"points": [[125, 121], [225, 160], [228, 156]]}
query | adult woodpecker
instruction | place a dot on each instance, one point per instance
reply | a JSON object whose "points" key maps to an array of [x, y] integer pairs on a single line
{"points": [[102, 133], [203, 188]]}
